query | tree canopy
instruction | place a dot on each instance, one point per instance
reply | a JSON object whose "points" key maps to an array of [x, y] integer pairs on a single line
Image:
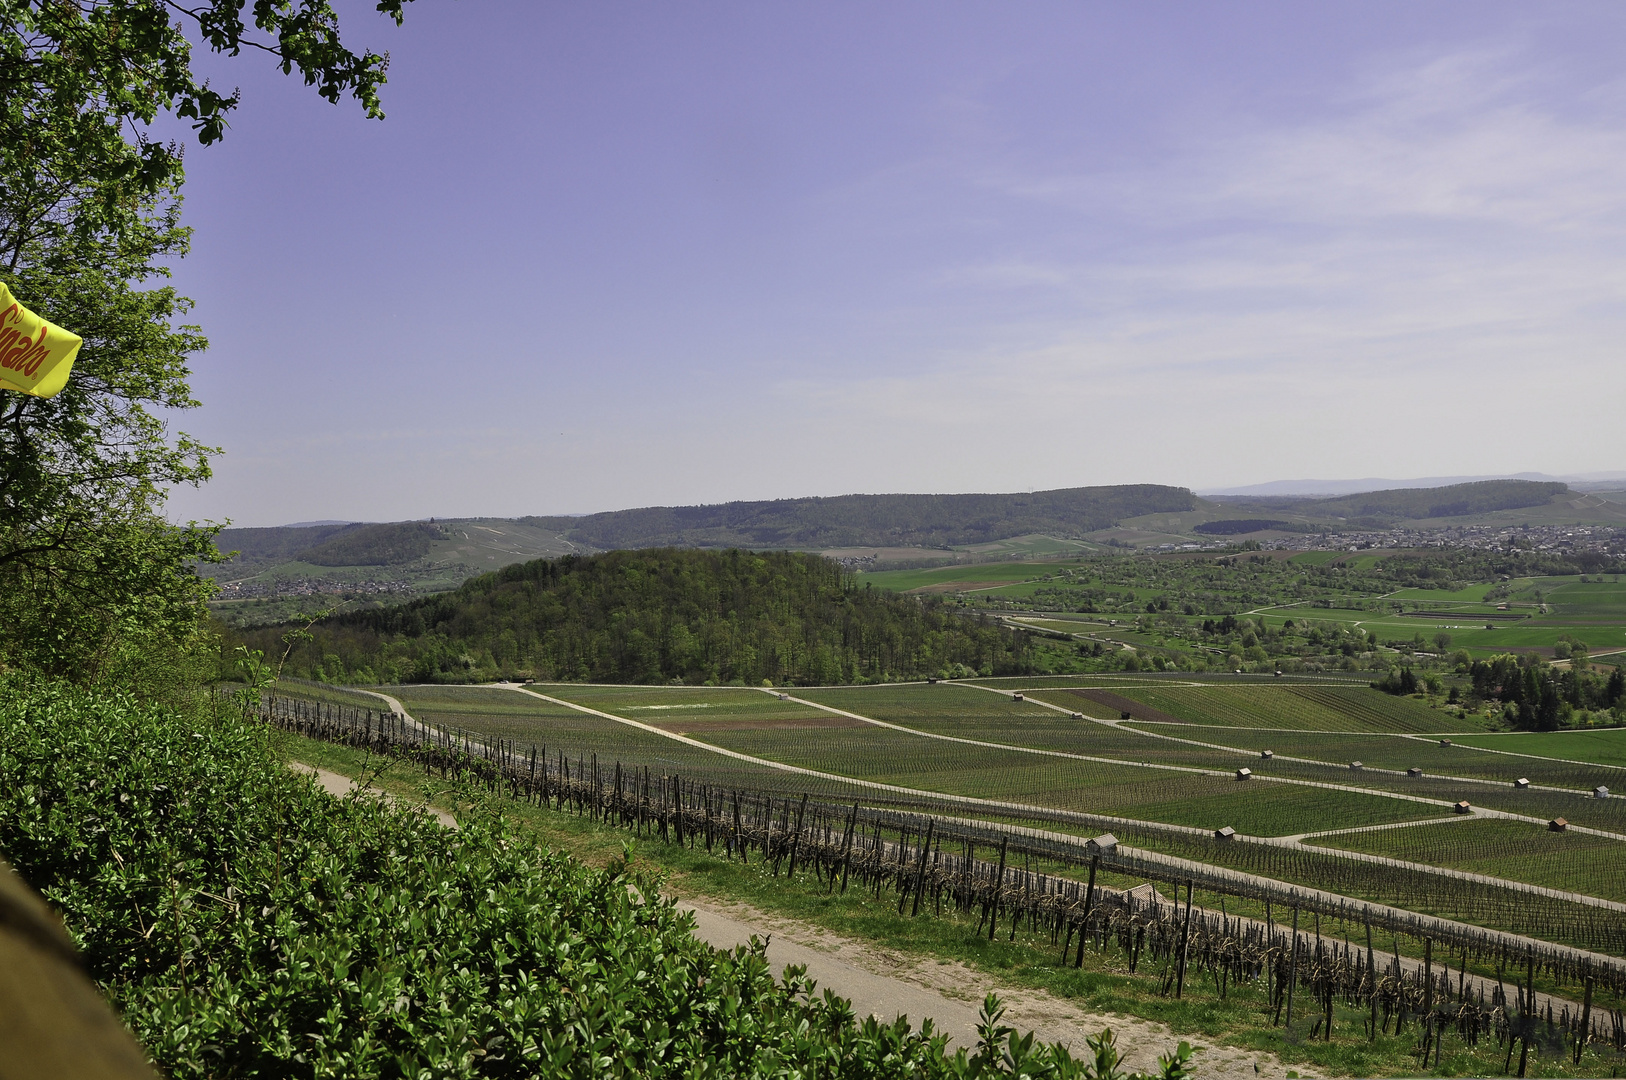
{"points": [[89, 225], [657, 616]]}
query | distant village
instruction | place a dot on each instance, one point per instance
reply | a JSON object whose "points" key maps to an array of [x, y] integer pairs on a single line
{"points": [[1567, 539], [256, 590]]}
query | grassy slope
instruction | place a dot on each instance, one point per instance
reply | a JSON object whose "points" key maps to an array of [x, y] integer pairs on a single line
{"points": [[1352, 709], [1606, 747]]}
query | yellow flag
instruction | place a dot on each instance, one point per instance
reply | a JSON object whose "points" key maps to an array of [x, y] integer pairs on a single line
{"points": [[35, 355]]}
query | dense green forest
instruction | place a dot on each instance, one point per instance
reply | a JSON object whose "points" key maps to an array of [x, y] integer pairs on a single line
{"points": [[656, 616], [874, 520], [276, 542], [1380, 509], [1241, 526], [331, 545], [373, 545]]}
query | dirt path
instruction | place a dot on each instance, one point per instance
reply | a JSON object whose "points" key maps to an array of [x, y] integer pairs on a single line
{"points": [[396, 706], [887, 984], [340, 786]]}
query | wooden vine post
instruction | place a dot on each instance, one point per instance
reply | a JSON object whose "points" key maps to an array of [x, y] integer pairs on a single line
{"points": [[1089, 902], [1293, 967], [847, 848], [1372, 979], [796, 838], [1185, 941], [920, 869], [999, 883], [1586, 1022]]}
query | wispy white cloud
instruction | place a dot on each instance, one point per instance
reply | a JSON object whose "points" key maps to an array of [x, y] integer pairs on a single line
{"points": [[1435, 224]]}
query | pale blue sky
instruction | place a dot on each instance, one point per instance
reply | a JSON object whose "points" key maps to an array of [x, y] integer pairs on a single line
{"points": [[607, 255]]}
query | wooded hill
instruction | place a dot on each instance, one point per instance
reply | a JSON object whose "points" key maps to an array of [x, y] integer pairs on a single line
{"points": [[656, 616], [873, 520], [355, 544], [1380, 509]]}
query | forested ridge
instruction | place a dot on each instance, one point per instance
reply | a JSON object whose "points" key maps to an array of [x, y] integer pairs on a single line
{"points": [[1380, 509], [657, 616], [874, 520]]}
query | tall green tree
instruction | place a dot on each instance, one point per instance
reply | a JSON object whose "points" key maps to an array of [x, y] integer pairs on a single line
{"points": [[89, 226]]}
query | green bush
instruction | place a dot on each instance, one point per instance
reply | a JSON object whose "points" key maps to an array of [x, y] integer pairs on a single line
{"points": [[247, 924]]}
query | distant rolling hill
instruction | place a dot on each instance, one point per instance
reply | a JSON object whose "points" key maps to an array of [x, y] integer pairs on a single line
{"points": [[845, 521], [1381, 509], [278, 572], [281, 571]]}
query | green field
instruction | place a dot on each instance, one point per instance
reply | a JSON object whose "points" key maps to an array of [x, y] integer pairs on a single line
{"points": [[1506, 849], [530, 721], [1402, 753], [969, 576], [1062, 625], [684, 708], [903, 703], [1264, 705], [1319, 588], [1606, 746], [1593, 611], [761, 725], [331, 695], [1176, 798]]}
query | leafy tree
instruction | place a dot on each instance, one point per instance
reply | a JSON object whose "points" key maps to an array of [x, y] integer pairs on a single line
{"points": [[1400, 683], [89, 224]]}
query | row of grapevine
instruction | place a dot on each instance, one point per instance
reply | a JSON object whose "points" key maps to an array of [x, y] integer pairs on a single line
{"points": [[834, 839]]}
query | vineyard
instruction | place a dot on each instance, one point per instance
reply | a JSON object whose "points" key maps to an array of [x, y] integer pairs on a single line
{"points": [[1402, 753], [1594, 865], [674, 707], [1047, 884], [559, 729], [1059, 794], [1178, 798], [1316, 708], [1023, 764]]}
